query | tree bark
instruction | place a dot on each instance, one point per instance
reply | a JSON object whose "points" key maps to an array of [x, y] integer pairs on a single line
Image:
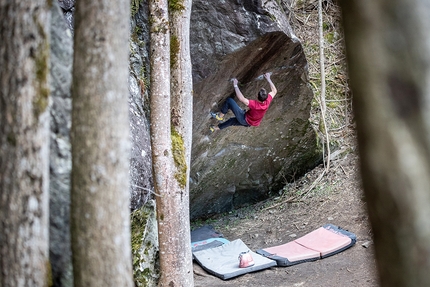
{"points": [[100, 217], [323, 85], [24, 143], [171, 145], [388, 54], [181, 87]]}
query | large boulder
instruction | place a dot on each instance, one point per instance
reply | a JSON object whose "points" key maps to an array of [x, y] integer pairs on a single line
{"points": [[238, 165]]}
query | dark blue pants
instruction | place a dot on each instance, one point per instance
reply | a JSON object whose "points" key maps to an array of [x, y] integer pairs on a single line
{"points": [[238, 120]]}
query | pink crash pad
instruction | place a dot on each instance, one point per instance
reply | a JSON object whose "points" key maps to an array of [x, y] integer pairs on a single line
{"points": [[324, 241], [320, 243]]}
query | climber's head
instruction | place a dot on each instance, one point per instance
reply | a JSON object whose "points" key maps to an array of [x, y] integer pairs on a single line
{"points": [[262, 95]]}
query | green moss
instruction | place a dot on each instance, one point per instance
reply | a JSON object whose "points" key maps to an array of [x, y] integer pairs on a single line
{"points": [[326, 26], [41, 100], [49, 281], [134, 5], [174, 50], [139, 220], [330, 37], [176, 6], [332, 105], [178, 149], [138, 223]]}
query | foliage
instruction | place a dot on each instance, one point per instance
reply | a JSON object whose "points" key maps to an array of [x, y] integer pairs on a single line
{"points": [[304, 21], [134, 5]]}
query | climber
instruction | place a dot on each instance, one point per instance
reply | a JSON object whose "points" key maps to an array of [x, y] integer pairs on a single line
{"points": [[255, 113]]}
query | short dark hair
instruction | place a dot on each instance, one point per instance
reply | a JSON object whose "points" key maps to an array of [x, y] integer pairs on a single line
{"points": [[262, 95]]}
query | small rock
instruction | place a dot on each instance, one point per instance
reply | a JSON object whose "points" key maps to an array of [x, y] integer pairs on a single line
{"points": [[293, 235], [366, 244], [330, 218]]}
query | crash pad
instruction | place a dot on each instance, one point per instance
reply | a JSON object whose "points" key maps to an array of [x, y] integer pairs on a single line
{"points": [[204, 232], [223, 261], [206, 237], [320, 243], [208, 243]]}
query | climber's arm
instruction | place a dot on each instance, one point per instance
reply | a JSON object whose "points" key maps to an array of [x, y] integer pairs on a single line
{"points": [[272, 86], [239, 93]]}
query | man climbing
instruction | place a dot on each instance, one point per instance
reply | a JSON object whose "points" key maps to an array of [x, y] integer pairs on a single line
{"points": [[255, 113]]}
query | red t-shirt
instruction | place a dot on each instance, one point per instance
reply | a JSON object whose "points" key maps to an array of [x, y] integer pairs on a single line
{"points": [[257, 110]]}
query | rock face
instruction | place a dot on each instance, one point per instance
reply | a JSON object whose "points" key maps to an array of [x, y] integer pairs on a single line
{"points": [[60, 154], [239, 165]]}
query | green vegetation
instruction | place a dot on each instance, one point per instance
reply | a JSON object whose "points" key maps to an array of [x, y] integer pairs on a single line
{"points": [[176, 6], [178, 149], [174, 50], [49, 280], [139, 221], [41, 100], [304, 21], [134, 5]]}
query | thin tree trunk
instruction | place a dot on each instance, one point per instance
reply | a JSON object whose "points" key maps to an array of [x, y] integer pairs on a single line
{"points": [[161, 143], [171, 145], [24, 143], [323, 86], [182, 115], [389, 64], [100, 145]]}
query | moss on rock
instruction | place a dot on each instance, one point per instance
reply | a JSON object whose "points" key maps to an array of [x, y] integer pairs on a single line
{"points": [[144, 245]]}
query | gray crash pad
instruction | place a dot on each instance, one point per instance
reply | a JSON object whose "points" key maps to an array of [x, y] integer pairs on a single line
{"points": [[223, 261]]}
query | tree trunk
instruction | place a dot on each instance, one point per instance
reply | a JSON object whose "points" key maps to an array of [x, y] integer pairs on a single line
{"points": [[24, 143], [171, 145], [181, 87], [323, 86], [388, 53], [100, 216]]}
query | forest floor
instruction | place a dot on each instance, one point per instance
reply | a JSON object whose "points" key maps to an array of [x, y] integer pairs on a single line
{"points": [[336, 199]]}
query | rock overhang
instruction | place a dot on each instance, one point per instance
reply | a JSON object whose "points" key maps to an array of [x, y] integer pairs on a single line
{"points": [[239, 165]]}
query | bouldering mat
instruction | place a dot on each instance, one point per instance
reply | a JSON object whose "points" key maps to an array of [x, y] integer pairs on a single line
{"points": [[223, 261], [320, 243], [204, 232], [208, 243], [206, 237]]}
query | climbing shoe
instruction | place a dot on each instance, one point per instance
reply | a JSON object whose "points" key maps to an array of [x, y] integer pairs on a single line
{"points": [[216, 116], [212, 129]]}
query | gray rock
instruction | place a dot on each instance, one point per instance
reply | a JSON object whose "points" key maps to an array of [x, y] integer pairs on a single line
{"points": [[60, 149], [245, 40]]}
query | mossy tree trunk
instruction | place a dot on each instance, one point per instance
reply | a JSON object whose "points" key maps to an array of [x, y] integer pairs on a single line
{"points": [[389, 62], [24, 143], [100, 216], [170, 144], [181, 87]]}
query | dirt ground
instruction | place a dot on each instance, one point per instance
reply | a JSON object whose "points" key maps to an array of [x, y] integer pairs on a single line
{"points": [[336, 199]]}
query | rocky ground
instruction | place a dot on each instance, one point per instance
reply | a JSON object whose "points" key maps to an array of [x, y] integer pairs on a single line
{"points": [[336, 199]]}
